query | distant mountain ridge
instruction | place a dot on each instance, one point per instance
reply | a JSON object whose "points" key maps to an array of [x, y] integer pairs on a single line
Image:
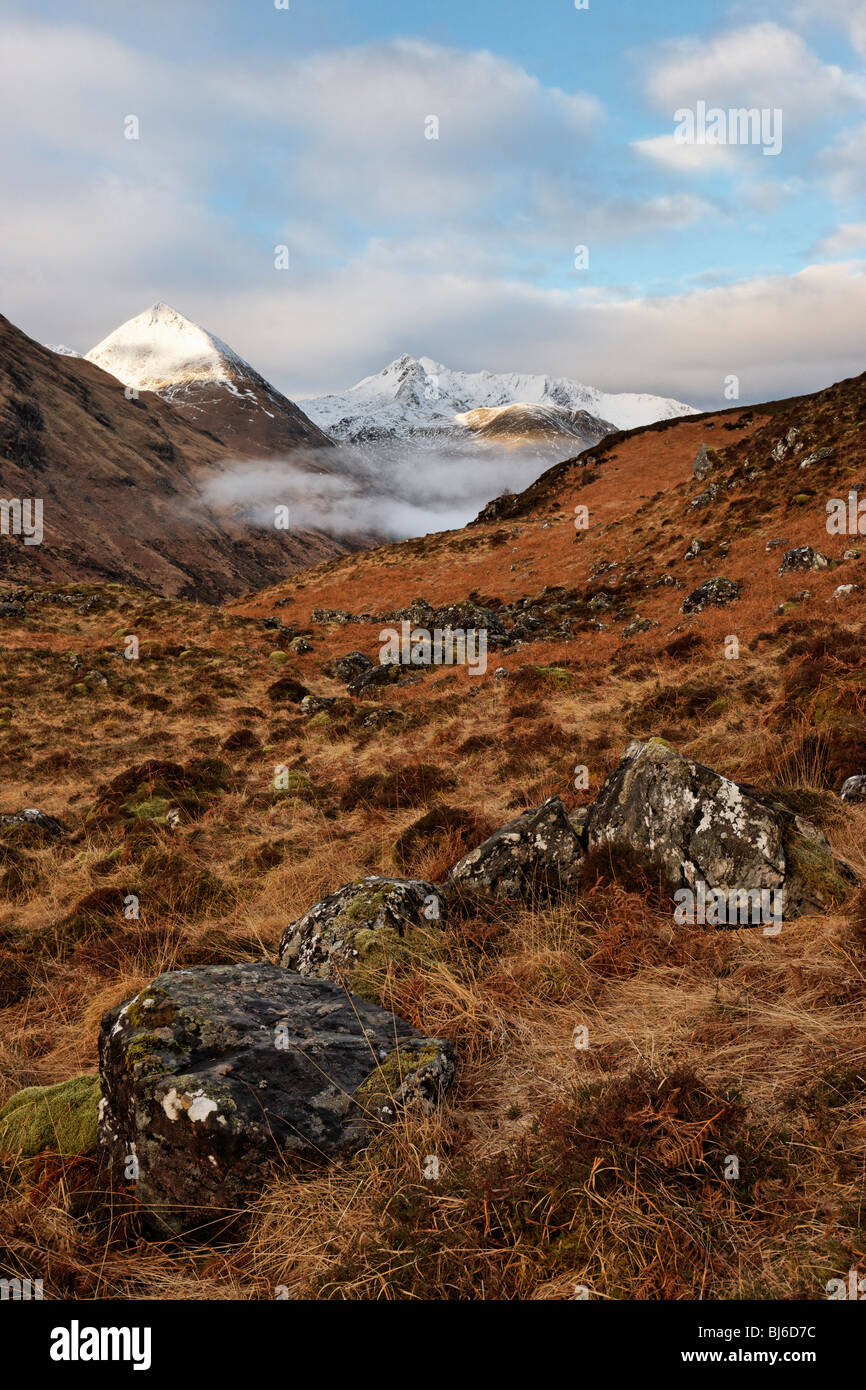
{"points": [[414, 397]]}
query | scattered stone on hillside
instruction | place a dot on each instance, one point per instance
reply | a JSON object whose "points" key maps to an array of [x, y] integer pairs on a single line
{"points": [[854, 788], [317, 704], [501, 673], [695, 548], [775, 543], [384, 674], [704, 499], [852, 554], [464, 615], [334, 934], [704, 463], [12, 610], [713, 593], [637, 625], [686, 824], [538, 850], [601, 602], [381, 716], [786, 446], [845, 590], [211, 1075], [346, 668], [301, 645], [803, 557], [816, 457], [332, 615], [48, 827], [61, 1118]]}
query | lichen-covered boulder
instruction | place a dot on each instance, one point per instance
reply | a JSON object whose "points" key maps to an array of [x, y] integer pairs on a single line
{"points": [[61, 1118], [332, 935], [211, 1075], [537, 851], [689, 825]]}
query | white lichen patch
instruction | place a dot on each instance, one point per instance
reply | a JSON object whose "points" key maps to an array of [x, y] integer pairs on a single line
{"points": [[197, 1106]]}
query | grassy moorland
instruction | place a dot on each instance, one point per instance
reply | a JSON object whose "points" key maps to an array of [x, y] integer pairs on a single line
{"points": [[560, 1168]]}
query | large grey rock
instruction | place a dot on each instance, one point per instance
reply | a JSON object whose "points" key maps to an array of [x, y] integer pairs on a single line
{"points": [[854, 788], [330, 938], [539, 850], [690, 825], [211, 1075]]}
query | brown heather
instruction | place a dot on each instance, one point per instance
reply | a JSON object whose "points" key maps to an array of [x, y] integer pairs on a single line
{"points": [[560, 1168]]}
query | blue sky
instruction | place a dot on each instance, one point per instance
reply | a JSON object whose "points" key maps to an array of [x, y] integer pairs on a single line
{"points": [[306, 128]]}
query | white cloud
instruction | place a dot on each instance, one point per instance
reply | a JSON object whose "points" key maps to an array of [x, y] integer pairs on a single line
{"points": [[762, 65], [680, 158], [95, 228], [847, 237], [849, 14], [845, 164], [781, 334]]}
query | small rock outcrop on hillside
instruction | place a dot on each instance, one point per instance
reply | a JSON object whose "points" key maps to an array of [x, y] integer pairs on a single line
{"points": [[334, 933], [210, 1075], [705, 462], [714, 593], [539, 850], [803, 557], [37, 823], [690, 825]]}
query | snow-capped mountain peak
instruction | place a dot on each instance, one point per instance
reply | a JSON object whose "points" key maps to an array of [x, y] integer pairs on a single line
{"points": [[163, 351], [415, 395], [62, 350], [162, 348]]}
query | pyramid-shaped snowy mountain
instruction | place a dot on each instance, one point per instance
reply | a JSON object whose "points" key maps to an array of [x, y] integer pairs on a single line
{"points": [[162, 351]]}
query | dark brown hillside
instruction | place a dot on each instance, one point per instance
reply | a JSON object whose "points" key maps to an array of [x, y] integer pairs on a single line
{"points": [[121, 483]]}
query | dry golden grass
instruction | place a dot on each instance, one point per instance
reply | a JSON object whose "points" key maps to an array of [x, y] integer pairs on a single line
{"points": [[559, 1168]]}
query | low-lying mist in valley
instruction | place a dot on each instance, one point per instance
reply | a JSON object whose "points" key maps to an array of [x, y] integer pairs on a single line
{"points": [[394, 490]]}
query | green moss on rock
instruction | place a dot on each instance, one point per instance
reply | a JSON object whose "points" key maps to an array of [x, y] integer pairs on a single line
{"points": [[62, 1118]]}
